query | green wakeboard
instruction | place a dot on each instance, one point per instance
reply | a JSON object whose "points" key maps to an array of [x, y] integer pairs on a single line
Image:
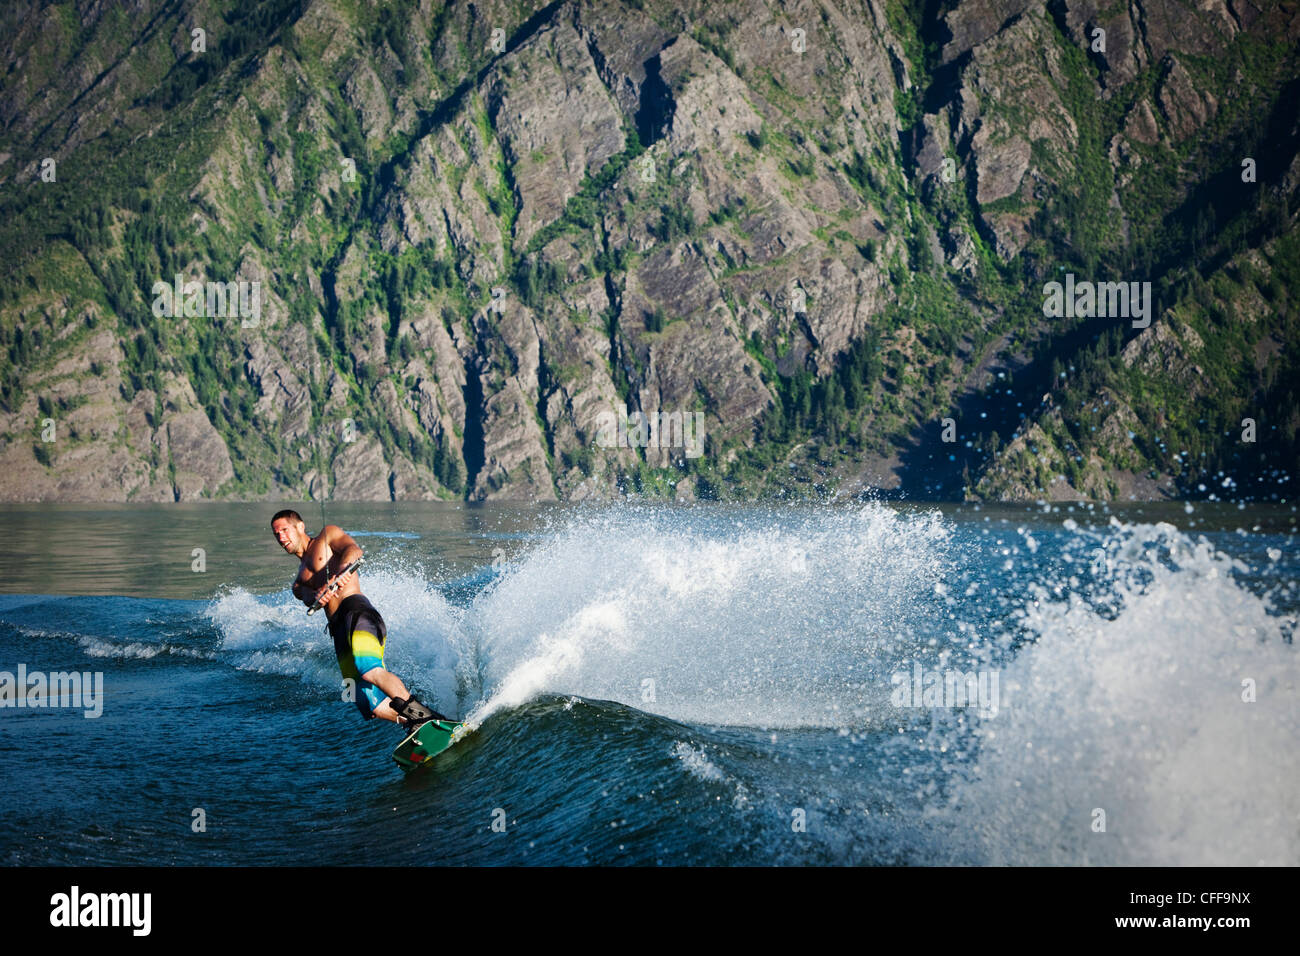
{"points": [[429, 739]]}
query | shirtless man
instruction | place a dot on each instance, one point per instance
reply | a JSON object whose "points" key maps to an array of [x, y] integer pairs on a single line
{"points": [[355, 625]]}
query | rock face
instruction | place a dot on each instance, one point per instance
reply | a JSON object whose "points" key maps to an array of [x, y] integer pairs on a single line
{"points": [[199, 458], [479, 235], [1185, 108], [1010, 99], [974, 24], [555, 121], [514, 462]]}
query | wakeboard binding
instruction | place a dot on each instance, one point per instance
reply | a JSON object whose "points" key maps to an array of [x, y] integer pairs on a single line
{"points": [[412, 713]]}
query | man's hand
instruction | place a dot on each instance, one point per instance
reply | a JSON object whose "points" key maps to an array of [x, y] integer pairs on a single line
{"points": [[334, 584]]}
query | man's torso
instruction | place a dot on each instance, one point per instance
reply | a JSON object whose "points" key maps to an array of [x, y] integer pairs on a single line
{"points": [[313, 571]]}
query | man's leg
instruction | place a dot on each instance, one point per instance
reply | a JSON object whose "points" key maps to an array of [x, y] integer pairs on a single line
{"points": [[367, 645], [391, 685]]}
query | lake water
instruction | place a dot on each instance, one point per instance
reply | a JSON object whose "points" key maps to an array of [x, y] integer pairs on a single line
{"points": [[655, 684]]}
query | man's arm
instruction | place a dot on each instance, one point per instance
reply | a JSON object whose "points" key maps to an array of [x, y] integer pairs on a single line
{"points": [[345, 549], [343, 552], [303, 593]]}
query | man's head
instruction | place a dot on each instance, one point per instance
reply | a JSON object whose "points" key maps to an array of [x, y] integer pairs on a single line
{"points": [[290, 531]]}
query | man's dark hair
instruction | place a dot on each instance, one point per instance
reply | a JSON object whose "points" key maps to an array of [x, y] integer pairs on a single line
{"points": [[286, 513]]}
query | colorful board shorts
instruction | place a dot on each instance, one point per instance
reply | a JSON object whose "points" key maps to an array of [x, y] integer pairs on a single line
{"points": [[359, 633]]}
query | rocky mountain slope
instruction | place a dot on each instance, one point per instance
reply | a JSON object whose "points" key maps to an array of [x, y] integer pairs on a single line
{"points": [[474, 234]]}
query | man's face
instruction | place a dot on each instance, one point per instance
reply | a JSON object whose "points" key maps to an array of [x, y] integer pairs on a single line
{"points": [[288, 533]]}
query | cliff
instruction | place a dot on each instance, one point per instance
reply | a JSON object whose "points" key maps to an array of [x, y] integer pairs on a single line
{"points": [[470, 233]]}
